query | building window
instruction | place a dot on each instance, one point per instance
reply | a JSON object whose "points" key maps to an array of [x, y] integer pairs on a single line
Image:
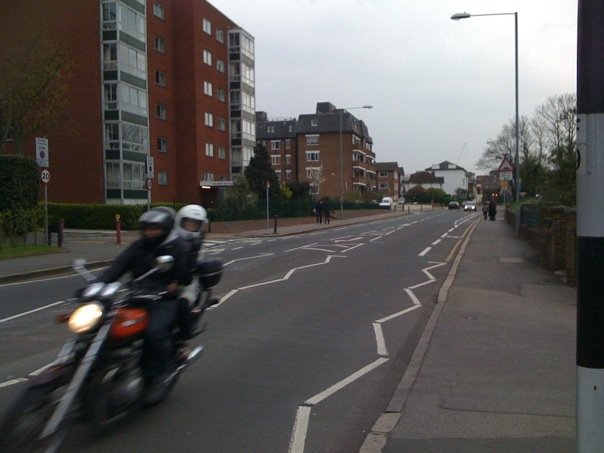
{"points": [[160, 44], [222, 152], [220, 66], [220, 36], [383, 185], [110, 96], [162, 178], [209, 150], [161, 112], [314, 122], [270, 128], [312, 140], [312, 156], [221, 124], [161, 78], [221, 95], [288, 159], [288, 175], [207, 26], [275, 144], [112, 136], [207, 88], [110, 56], [275, 159], [311, 172], [207, 57], [209, 119], [158, 11], [288, 144], [109, 16], [162, 145]]}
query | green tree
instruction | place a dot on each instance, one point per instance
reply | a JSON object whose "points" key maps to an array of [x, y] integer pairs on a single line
{"points": [[259, 172], [18, 183]]}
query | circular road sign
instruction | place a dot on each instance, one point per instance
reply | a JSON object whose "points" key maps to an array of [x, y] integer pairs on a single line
{"points": [[45, 176]]}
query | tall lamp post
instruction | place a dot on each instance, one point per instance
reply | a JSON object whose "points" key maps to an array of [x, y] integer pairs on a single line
{"points": [[459, 16], [342, 110]]}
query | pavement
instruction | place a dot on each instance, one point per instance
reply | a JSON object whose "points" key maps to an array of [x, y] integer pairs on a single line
{"points": [[494, 370]]}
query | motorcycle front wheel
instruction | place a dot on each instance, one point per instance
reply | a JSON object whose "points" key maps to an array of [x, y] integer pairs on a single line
{"points": [[25, 420]]}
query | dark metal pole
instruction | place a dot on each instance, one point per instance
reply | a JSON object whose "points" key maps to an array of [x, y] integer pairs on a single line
{"points": [[590, 227]]}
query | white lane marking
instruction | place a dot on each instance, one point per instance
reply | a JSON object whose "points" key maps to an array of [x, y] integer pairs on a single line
{"points": [[375, 238], [236, 248], [344, 382], [26, 313], [416, 304], [47, 279], [12, 382], [382, 350], [262, 255], [425, 251], [437, 242], [298, 439], [301, 247]]}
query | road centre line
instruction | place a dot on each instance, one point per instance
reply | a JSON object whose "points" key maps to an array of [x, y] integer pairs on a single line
{"points": [[262, 255], [376, 238], [425, 251], [301, 247], [20, 315], [298, 439], [12, 382], [437, 242]]}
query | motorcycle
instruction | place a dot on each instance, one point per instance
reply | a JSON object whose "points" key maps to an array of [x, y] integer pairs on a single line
{"points": [[97, 377]]}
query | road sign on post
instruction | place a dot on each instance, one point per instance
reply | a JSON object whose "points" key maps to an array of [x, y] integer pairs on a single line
{"points": [[42, 151]]}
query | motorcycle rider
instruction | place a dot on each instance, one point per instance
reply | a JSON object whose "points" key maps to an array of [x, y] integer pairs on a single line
{"points": [[189, 226], [155, 226]]}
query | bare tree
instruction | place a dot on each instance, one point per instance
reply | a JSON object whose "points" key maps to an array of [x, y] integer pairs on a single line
{"points": [[33, 75]]}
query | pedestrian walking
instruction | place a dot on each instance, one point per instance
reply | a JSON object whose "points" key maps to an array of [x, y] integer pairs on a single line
{"points": [[318, 210], [492, 210], [326, 210], [485, 210]]}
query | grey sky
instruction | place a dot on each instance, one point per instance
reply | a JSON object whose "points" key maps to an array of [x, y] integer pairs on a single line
{"points": [[440, 88]]}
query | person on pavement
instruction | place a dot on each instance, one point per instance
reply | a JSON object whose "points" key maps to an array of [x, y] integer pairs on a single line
{"points": [[137, 259], [318, 210], [492, 210]]}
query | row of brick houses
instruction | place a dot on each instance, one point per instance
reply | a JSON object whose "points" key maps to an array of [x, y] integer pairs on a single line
{"points": [[161, 86], [331, 149]]}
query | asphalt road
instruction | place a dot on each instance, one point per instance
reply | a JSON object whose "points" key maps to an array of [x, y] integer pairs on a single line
{"points": [[303, 353]]}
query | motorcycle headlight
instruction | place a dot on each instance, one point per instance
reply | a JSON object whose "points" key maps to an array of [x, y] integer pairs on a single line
{"points": [[86, 317]]}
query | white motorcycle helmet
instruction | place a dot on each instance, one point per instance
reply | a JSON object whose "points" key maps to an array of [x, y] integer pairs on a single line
{"points": [[191, 213]]}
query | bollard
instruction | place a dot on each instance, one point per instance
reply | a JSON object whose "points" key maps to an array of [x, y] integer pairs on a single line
{"points": [[60, 233], [209, 226], [118, 229], [409, 209], [275, 225]]}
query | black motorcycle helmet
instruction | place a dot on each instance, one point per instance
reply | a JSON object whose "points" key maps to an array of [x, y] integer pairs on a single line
{"points": [[162, 217]]}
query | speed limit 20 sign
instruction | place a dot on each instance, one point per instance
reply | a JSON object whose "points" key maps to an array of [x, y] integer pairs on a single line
{"points": [[45, 176]]}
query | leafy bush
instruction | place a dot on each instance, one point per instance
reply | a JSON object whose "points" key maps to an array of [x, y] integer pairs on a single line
{"points": [[94, 216]]}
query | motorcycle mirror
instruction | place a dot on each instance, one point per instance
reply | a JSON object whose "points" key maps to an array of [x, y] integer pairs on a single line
{"points": [[164, 263]]}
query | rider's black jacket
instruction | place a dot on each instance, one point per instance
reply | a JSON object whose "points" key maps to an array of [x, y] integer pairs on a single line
{"points": [[139, 258]]}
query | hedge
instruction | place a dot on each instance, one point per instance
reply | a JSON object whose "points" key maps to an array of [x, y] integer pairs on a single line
{"points": [[18, 182]]}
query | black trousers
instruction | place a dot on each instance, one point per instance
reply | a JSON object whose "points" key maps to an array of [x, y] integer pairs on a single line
{"points": [[158, 341]]}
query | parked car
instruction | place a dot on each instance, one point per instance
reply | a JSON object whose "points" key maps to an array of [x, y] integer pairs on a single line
{"points": [[469, 206], [454, 205], [386, 203]]}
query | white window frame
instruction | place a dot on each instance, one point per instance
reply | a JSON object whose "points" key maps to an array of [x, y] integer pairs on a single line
{"points": [[275, 144], [276, 159], [207, 57], [158, 11], [312, 139], [160, 44], [162, 145], [161, 78], [222, 152], [209, 150], [162, 178], [209, 119], [220, 66], [313, 156], [161, 111], [206, 25], [207, 88]]}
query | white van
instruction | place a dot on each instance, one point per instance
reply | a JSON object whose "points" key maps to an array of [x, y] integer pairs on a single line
{"points": [[386, 203]]}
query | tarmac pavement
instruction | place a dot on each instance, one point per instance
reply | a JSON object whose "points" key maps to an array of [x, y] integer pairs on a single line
{"points": [[494, 370]]}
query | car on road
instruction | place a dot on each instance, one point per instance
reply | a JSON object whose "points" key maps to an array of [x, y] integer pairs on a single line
{"points": [[469, 206], [386, 203], [454, 205]]}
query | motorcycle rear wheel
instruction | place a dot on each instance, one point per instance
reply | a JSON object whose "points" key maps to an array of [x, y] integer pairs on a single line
{"points": [[25, 420]]}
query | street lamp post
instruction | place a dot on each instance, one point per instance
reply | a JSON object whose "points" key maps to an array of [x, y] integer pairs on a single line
{"points": [[459, 16], [342, 155]]}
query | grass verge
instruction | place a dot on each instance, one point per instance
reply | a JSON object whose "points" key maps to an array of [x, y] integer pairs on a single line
{"points": [[18, 251]]}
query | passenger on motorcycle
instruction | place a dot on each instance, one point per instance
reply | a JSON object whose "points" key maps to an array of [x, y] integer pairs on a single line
{"points": [[189, 226], [156, 240]]}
